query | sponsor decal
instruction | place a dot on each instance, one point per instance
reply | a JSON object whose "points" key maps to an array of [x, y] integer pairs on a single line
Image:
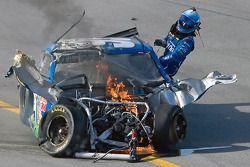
{"points": [[40, 107], [58, 109]]}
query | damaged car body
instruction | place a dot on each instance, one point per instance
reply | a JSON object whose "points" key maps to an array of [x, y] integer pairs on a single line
{"points": [[101, 94]]}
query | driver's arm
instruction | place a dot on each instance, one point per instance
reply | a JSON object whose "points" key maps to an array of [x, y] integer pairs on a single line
{"points": [[172, 61], [179, 54]]}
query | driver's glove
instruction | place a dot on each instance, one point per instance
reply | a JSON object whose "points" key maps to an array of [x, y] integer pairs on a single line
{"points": [[160, 42]]}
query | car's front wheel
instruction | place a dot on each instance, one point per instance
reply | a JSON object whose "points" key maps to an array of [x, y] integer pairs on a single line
{"points": [[63, 131]]}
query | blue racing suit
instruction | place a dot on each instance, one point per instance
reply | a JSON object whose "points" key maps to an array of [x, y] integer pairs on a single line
{"points": [[176, 52]]}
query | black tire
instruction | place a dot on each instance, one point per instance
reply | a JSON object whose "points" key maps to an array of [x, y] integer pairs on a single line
{"points": [[169, 127], [26, 100], [63, 131]]}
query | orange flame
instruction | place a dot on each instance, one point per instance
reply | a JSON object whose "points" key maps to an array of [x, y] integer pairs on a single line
{"points": [[139, 150], [102, 67], [118, 92], [145, 150]]}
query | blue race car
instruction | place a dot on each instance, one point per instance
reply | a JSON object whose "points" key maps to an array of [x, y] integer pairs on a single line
{"points": [[101, 94]]}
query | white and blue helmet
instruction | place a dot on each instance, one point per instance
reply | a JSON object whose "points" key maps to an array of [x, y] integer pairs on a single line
{"points": [[189, 21]]}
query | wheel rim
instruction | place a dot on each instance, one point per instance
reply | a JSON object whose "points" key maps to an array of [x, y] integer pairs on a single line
{"points": [[58, 130], [179, 126]]}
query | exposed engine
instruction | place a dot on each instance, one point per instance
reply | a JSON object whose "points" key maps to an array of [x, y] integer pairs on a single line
{"points": [[114, 123]]}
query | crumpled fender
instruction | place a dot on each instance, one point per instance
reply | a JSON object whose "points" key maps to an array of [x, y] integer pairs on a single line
{"points": [[193, 89], [29, 76]]}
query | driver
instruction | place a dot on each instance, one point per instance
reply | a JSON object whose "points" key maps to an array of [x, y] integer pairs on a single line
{"points": [[180, 41]]}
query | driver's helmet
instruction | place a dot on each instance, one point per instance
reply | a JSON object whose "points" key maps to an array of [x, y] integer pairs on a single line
{"points": [[189, 21]]}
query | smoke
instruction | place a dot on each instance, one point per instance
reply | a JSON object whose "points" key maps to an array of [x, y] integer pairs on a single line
{"points": [[60, 15]]}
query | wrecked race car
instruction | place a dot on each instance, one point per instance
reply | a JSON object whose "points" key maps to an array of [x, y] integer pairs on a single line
{"points": [[98, 95]]}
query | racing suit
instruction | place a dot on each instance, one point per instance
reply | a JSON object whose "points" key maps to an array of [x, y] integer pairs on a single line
{"points": [[176, 52]]}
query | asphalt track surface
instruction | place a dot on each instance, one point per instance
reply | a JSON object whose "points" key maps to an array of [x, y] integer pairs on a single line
{"points": [[220, 118]]}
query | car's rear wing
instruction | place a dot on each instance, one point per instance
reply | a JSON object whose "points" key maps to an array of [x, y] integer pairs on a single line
{"points": [[126, 33]]}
